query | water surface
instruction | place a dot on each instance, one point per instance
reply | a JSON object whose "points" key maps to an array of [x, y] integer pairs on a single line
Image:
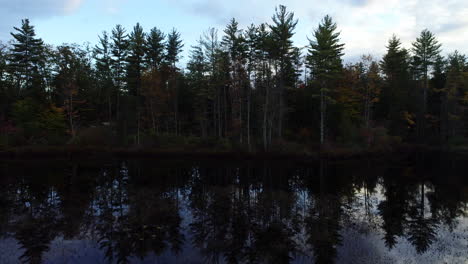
{"points": [[166, 211]]}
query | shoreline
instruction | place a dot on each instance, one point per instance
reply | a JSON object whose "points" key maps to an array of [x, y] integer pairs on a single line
{"points": [[72, 152]]}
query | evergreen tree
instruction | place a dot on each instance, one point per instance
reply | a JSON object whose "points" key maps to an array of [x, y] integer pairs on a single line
{"points": [[135, 69], [426, 49], [234, 43], [3, 62], [197, 68], [395, 93], [438, 106], [136, 53], [220, 97], [4, 82], [370, 87], [155, 50], [25, 60], [455, 95], [282, 31], [119, 52], [324, 61], [103, 57], [264, 79], [174, 47], [250, 37], [239, 88]]}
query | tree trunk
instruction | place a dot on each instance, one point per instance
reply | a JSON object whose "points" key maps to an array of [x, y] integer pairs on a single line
{"points": [[240, 118], [138, 128], [70, 112], [265, 109], [110, 109], [424, 107], [322, 116], [281, 108], [152, 116], [249, 94]]}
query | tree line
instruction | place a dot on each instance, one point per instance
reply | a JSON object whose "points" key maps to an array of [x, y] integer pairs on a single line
{"points": [[251, 88]]}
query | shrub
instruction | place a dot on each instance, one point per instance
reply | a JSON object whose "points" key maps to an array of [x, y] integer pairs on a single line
{"points": [[53, 125], [25, 116], [458, 141], [283, 146], [95, 136]]}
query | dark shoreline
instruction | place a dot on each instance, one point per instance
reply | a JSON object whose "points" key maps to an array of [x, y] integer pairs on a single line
{"points": [[74, 152]]}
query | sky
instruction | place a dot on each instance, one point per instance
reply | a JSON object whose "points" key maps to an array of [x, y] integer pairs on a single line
{"points": [[365, 25]]}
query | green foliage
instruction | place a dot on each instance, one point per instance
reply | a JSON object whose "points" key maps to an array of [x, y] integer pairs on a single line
{"points": [[173, 47], [241, 90], [325, 52], [25, 115], [283, 50], [426, 49], [155, 46], [107, 100], [135, 59], [26, 60], [119, 50], [324, 61], [95, 136], [39, 124], [458, 142], [233, 41], [394, 99], [291, 147], [348, 132], [52, 121]]}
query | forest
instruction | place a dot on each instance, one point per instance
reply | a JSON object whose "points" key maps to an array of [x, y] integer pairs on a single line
{"points": [[247, 89]]}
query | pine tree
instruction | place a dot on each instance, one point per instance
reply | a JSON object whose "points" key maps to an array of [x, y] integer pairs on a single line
{"points": [[103, 57], [264, 78], [5, 91], [25, 59], [456, 96], [219, 97], [136, 53], [197, 68], [155, 50], [174, 47], [395, 93], [371, 87], [135, 69], [250, 36], [282, 31], [3, 65], [234, 43], [119, 50], [426, 49], [439, 81], [324, 61]]}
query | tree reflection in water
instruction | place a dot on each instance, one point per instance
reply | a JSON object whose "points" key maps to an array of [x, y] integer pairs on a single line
{"points": [[227, 212]]}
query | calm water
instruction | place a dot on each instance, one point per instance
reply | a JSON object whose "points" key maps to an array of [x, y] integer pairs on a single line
{"points": [[147, 211]]}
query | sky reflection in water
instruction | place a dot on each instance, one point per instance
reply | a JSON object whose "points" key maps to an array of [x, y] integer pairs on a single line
{"points": [[142, 211]]}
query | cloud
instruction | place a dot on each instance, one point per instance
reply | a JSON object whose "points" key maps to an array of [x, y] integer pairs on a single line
{"points": [[12, 11], [365, 25], [72, 5], [38, 8], [112, 7]]}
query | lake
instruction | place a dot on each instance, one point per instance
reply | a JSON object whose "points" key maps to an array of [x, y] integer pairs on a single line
{"points": [[217, 211]]}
